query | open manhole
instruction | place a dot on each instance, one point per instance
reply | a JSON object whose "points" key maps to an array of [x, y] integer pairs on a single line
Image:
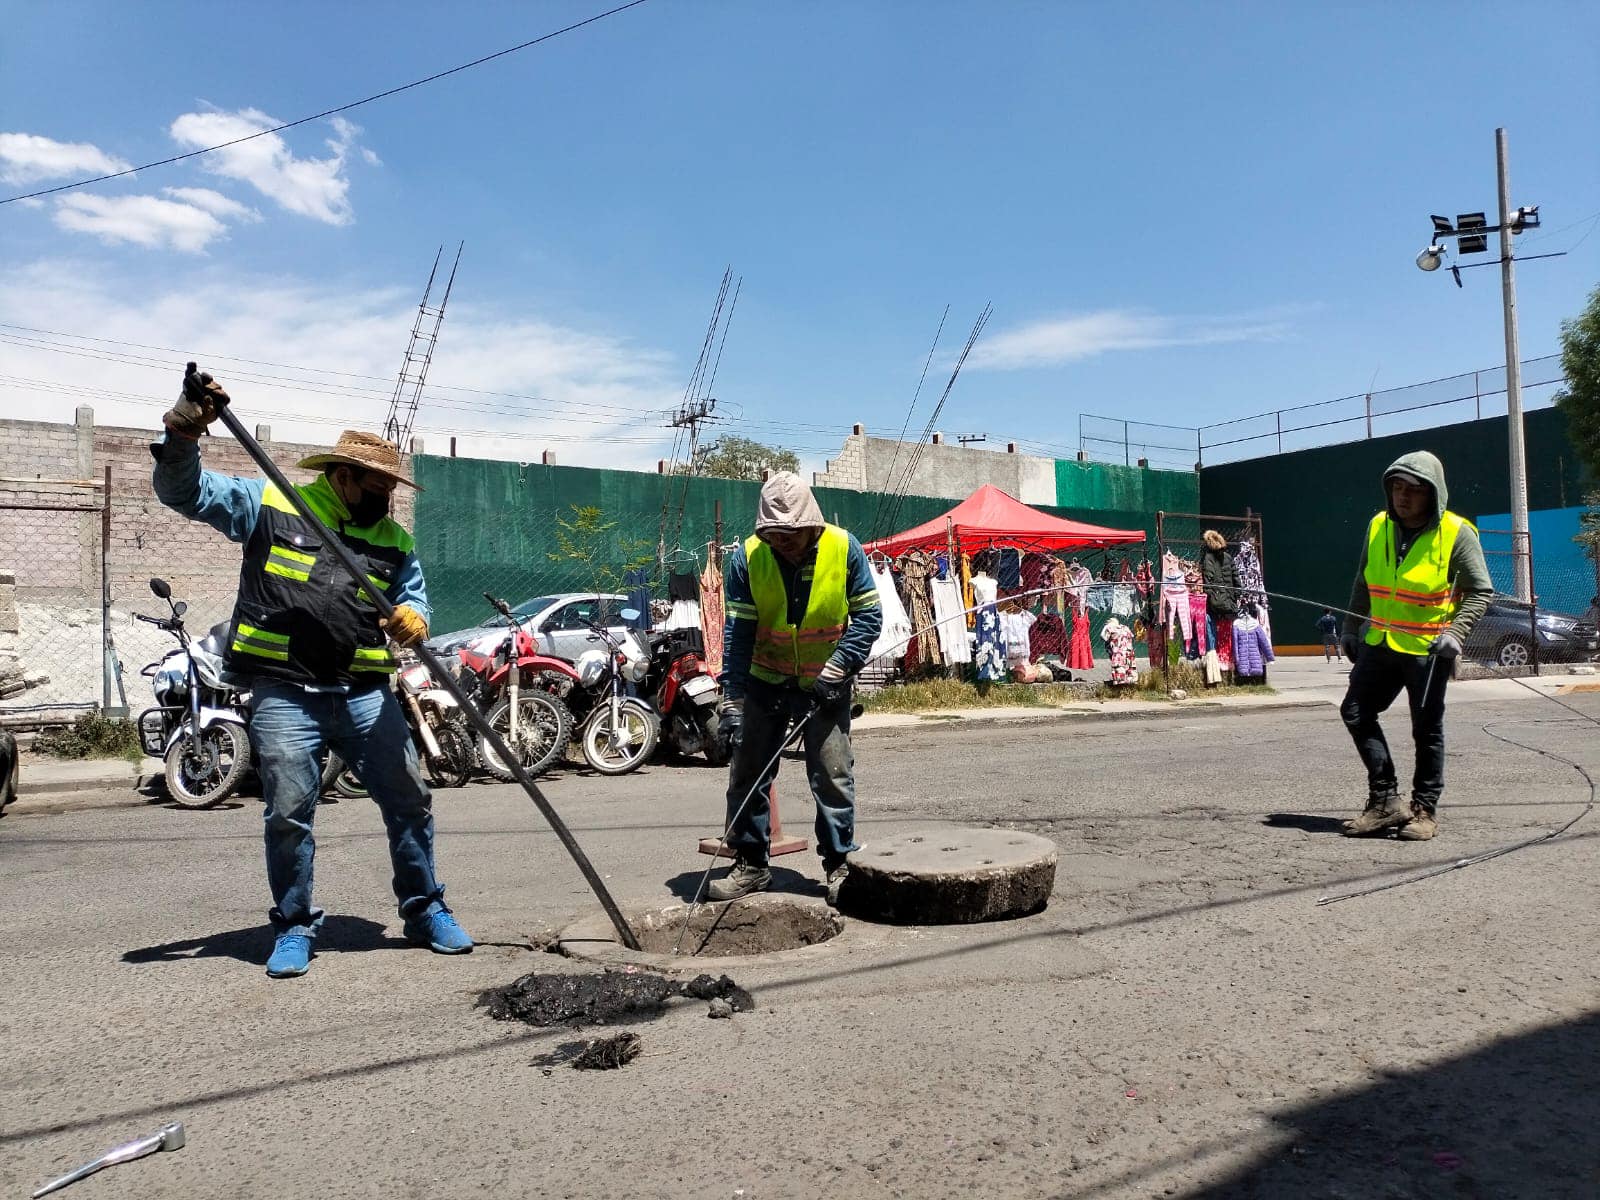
{"points": [[760, 927]]}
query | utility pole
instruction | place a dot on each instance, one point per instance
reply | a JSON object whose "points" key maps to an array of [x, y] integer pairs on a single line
{"points": [[1522, 560]]}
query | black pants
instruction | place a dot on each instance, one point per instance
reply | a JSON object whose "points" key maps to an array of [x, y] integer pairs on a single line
{"points": [[1376, 679]]}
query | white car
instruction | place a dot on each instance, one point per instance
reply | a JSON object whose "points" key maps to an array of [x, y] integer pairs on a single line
{"points": [[561, 623]]}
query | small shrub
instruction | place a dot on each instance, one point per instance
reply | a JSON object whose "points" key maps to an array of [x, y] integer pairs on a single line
{"points": [[93, 735]]}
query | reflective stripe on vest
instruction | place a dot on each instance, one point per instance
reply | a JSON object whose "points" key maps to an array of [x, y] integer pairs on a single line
{"points": [[782, 651], [247, 639], [376, 659], [1413, 602]]}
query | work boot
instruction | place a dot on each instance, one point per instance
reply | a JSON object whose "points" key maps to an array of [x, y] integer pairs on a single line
{"points": [[1424, 823], [836, 878], [743, 879], [439, 932], [291, 956], [1385, 810]]}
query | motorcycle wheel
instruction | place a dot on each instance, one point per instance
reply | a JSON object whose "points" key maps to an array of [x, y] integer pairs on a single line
{"points": [[205, 772], [635, 737], [544, 726], [710, 734], [453, 765]]}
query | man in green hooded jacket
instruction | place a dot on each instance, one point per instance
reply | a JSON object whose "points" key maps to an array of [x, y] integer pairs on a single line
{"points": [[1422, 584]]}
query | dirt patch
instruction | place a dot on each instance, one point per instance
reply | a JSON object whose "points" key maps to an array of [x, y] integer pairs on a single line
{"points": [[608, 998], [715, 930]]}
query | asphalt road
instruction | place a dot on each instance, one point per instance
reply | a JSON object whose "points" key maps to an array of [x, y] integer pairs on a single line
{"points": [[1182, 1020]]}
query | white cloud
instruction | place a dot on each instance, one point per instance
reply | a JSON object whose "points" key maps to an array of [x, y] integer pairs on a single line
{"points": [[311, 187], [143, 220], [603, 397], [28, 158], [1056, 340], [214, 203]]}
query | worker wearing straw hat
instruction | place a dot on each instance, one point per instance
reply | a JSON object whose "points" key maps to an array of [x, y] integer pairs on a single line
{"points": [[309, 646]]}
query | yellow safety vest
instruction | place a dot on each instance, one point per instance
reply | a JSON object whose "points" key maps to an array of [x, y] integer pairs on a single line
{"points": [[1413, 601], [784, 651]]}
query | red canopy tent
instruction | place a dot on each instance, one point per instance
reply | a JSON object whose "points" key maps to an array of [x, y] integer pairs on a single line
{"points": [[989, 517]]}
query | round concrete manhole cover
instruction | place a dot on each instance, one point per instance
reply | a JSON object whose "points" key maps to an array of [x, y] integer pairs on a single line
{"points": [[951, 876]]}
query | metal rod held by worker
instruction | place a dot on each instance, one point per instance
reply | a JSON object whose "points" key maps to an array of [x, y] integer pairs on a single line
{"points": [[440, 674]]}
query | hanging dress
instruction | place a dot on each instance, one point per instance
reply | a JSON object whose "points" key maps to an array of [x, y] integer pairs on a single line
{"points": [[1119, 641], [916, 568], [896, 632], [712, 616], [991, 655], [1080, 655]]}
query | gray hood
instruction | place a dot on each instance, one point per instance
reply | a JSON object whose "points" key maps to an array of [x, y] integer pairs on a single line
{"points": [[1424, 466], [787, 503]]}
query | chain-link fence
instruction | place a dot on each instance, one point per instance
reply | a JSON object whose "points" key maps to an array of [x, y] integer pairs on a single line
{"points": [[52, 643], [1181, 628], [1559, 627]]}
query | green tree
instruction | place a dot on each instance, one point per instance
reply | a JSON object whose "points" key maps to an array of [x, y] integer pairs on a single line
{"points": [[595, 551], [732, 457], [1580, 399]]}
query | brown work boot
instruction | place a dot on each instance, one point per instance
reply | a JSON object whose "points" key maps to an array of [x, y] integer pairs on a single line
{"points": [[1424, 823], [743, 879], [1385, 810]]}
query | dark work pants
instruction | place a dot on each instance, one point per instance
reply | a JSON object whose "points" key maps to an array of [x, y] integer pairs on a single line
{"points": [[1376, 680], [830, 769]]}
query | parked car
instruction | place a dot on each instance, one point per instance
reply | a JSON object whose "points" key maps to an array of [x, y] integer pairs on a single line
{"points": [[561, 623], [1505, 635]]}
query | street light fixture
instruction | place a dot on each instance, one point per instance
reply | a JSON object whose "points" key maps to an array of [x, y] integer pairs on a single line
{"points": [[1471, 232]]}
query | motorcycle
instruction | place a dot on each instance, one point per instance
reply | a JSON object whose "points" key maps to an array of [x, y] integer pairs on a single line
{"points": [[686, 696], [437, 727], [198, 724], [518, 688], [617, 732]]}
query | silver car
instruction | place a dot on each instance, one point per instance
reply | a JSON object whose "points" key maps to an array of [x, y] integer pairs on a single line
{"points": [[561, 623]]}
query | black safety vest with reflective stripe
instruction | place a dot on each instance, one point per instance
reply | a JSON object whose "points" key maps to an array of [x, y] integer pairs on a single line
{"points": [[299, 616]]}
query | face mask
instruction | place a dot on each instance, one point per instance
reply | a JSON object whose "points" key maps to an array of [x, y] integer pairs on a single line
{"points": [[369, 508]]}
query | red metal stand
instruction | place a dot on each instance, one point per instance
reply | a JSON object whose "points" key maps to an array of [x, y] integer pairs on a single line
{"points": [[780, 843]]}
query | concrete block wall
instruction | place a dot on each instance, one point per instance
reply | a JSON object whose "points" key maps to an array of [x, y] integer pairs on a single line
{"points": [[866, 463]]}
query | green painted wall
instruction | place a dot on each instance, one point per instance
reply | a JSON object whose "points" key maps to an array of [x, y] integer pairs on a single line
{"points": [[1106, 487], [1315, 504], [492, 526]]}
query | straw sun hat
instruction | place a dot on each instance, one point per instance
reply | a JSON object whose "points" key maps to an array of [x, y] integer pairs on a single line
{"points": [[366, 450]]}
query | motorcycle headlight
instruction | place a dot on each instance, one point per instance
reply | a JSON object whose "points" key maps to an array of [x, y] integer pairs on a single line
{"points": [[637, 670]]}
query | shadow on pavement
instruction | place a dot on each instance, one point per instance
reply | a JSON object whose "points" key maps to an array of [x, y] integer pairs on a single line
{"points": [[253, 945], [1305, 822], [1515, 1118]]}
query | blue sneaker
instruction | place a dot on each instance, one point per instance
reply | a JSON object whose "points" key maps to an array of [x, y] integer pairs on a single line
{"points": [[439, 932], [291, 956]]}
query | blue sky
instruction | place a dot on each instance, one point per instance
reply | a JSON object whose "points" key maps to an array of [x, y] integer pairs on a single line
{"points": [[1182, 213]]}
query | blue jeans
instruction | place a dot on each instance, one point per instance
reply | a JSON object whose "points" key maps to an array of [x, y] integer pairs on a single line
{"points": [[289, 727], [830, 768]]}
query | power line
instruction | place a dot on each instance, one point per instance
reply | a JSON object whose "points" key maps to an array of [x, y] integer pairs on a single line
{"points": [[477, 62]]}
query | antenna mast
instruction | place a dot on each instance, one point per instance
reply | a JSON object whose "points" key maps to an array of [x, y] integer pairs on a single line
{"points": [[419, 353]]}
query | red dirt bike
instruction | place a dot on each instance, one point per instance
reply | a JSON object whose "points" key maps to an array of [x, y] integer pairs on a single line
{"points": [[514, 684], [686, 696]]}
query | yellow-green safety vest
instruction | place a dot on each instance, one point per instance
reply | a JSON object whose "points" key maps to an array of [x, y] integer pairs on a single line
{"points": [[783, 651], [1413, 601]]}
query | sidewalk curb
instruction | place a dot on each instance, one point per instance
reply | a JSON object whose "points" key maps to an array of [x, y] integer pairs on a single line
{"points": [[1176, 710], [133, 780]]}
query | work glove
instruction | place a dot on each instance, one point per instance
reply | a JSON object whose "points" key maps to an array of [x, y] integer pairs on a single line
{"points": [[730, 726], [1446, 646], [1350, 646], [832, 687], [197, 404], [407, 627]]}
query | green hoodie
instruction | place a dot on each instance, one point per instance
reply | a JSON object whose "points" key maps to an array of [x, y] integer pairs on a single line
{"points": [[1468, 573]]}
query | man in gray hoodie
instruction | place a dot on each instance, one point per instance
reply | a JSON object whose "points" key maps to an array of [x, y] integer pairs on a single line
{"points": [[1422, 584], [803, 614]]}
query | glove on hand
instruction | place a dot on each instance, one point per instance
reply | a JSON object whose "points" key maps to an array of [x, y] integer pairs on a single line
{"points": [[1446, 646], [832, 686], [407, 626], [197, 405], [1350, 646], [730, 726]]}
